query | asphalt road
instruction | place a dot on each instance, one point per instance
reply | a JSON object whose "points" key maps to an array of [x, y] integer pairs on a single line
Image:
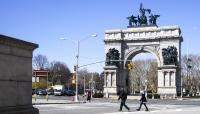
{"points": [[55, 97]]}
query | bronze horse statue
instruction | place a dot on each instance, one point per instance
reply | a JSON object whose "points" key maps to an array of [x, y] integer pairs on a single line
{"points": [[153, 19], [132, 20]]}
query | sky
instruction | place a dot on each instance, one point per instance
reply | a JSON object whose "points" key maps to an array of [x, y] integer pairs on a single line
{"points": [[44, 22]]}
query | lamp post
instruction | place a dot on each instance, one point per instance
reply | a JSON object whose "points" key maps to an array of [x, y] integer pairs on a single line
{"points": [[84, 85], [91, 90], [47, 97], [77, 62], [35, 87], [181, 84], [188, 77], [146, 87], [107, 95]]}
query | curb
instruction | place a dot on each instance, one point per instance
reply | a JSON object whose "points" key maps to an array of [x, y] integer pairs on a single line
{"points": [[58, 103]]}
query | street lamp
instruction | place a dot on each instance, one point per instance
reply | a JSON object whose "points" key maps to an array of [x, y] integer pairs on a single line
{"points": [[107, 95], [77, 61], [181, 84], [47, 97], [145, 87], [189, 66], [84, 85], [35, 86]]}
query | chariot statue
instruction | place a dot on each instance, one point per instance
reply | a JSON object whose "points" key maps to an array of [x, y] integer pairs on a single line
{"points": [[143, 19]]}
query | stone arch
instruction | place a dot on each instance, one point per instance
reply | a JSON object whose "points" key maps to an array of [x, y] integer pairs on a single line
{"points": [[161, 42], [132, 53]]}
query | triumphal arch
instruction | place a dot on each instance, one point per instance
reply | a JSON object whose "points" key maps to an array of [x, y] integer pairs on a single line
{"points": [[143, 35]]}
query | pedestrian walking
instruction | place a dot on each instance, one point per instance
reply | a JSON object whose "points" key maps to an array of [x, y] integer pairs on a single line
{"points": [[143, 100], [84, 97], [89, 96], [123, 97]]}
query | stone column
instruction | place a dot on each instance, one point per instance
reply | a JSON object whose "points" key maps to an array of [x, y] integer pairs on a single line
{"points": [[110, 87], [16, 76], [167, 82]]}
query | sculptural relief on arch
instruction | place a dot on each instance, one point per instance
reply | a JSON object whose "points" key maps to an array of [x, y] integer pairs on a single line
{"points": [[164, 42]]}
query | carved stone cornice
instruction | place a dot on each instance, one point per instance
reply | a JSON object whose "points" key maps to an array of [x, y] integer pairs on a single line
{"points": [[144, 33], [6, 40]]}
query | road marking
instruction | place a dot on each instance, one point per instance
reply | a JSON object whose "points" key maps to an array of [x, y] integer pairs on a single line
{"points": [[127, 112], [178, 110]]}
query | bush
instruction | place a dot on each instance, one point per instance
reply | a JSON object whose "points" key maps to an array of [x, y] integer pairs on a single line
{"points": [[42, 84], [81, 91], [98, 95], [156, 96], [149, 96]]}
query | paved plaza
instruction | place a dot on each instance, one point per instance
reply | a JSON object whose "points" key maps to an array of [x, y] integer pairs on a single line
{"points": [[107, 106], [112, 108]]}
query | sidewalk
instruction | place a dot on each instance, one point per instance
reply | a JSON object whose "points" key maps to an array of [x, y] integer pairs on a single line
{"points": [[41, 101], [51, 101]]}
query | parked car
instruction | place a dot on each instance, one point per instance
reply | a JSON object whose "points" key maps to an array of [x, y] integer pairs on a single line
{"points": [[59, 89], [41, 92], [50, 92], [33, 91], [70, 93]]}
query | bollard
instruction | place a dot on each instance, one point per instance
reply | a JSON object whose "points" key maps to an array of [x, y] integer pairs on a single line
{"points": [[73, 99], [47, 97], [35, 96]]}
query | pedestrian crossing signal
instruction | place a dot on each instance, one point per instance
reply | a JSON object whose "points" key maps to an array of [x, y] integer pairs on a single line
{"points": [[129, 66], [73, 79]]}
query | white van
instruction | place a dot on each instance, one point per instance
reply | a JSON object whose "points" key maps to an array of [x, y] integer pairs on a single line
{"points": [[59, 89]]}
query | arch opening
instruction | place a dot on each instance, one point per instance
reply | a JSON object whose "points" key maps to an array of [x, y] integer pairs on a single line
{"points": [[143, 76]]}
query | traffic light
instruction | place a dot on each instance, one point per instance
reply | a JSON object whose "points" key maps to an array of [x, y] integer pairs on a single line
{"points": [[74, 67], [73, 80], [129, 66]]}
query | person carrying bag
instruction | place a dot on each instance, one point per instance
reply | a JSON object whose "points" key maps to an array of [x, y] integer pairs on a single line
{"points": [[143, 100]]}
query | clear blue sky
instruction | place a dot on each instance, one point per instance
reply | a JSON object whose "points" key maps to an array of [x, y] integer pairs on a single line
{"points": [[45, 21]]}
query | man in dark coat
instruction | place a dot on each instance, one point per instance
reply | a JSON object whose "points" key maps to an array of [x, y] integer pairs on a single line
{"points": [[123, 97], [89, 96], [143, 101]]}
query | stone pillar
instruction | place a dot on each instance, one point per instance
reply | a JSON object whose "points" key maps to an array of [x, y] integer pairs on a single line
{"points": [[167, 82], [16, 76], [110, 80]]}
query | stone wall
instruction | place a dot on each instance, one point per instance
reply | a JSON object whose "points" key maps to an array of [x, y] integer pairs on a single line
{"points": [[16, 76]]}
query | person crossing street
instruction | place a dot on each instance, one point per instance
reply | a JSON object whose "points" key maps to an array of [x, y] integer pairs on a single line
{"points": [[143, 100], [123, 97]]}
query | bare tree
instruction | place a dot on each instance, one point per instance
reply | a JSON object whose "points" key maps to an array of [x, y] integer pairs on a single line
{"points": [[153, 77], [86, 77], [40, 62], [191, 73], [143, 70], [59, 73]]}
